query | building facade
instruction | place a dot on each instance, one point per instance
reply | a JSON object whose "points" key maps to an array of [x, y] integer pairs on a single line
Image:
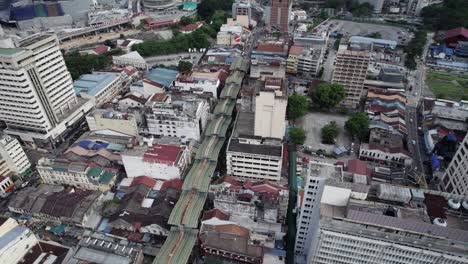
{"points": [[350, 71], [13, 156], [184, 119], [280, 15], [37, 100], [158, 161], [455, 179], [6, 186], [254, 159], [79, 175]]}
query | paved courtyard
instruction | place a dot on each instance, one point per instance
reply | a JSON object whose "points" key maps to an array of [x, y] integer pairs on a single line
{"points": [[313, 123], [361, 29]]}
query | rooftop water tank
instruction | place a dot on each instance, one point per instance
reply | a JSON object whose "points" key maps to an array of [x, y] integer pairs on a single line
{"points": [[439, 222]]}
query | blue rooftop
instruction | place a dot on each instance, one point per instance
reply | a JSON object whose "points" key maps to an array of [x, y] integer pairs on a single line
{"points": [[391, 43], [11, 235], [92, 84], [162, 76]]}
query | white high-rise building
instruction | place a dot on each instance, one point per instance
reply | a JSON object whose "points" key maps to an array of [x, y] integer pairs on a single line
{"points": [[455, 179], [37, 100], [343, 218], [13, 155]]}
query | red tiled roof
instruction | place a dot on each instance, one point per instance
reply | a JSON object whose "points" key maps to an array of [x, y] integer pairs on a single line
{"points": [[174, 183], [357, 166], [233, 229], [191, 27], [265, 186], [296, 50], [228, 179], [215, 213], [101, 49], [159, 97], [270, 47], [161, 153], [140, 100], [144, 180], [461, 31]]}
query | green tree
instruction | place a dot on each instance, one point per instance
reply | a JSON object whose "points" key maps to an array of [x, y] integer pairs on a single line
{"points": [[184, 66], [335, 3], [358, 125], [449, 14], [330, 132], [336, 44], [79, 64], [207, 8], [375, 35], [361, 10], [186, 21], [297, 106], [297, 135], [328, 95], [109, 43]]}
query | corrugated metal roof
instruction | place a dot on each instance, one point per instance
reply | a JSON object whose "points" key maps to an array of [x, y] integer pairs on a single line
{"points": [[92, 84], [409, 225]]}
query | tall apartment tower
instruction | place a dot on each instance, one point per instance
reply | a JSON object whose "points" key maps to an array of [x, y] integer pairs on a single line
{"points": [[279, 14], [309, 215], [350, 71], [13, 156], [455, 179], [37, 100], [270, 113]]}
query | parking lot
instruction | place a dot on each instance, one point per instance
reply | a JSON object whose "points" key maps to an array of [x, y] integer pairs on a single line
{"points": [[313, 123], [350, 28]]}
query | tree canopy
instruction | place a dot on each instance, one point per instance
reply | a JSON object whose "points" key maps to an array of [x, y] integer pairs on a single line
{"points": [[79, 64], [328, 95], [297, 135], [184, 66], [330, 132], [447, 15], [361, 10], [185, 20], [358, 125], [297, 106], [376, 35], [415, 48], [207, 8]]}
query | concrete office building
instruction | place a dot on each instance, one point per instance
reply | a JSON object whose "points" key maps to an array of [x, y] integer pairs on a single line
{"points": [[251, 157], [280, 15], [415, 6], [455, 179], [342, 217], [309, 215], [13, 156], [350, 71], [158, 161], [183, 117], [37, 100], [242, 8]]}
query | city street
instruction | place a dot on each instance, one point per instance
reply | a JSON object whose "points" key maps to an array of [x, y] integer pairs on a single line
{"points": [[414, 144]]}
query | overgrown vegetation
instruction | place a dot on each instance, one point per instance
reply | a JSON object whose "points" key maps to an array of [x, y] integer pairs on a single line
{"points": [[297, 106], [358, 125], [182, 42], [328, 95], [447, 15], [415, 49], [330, 132], [184, 66], [79, 64], [297, 135]]}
